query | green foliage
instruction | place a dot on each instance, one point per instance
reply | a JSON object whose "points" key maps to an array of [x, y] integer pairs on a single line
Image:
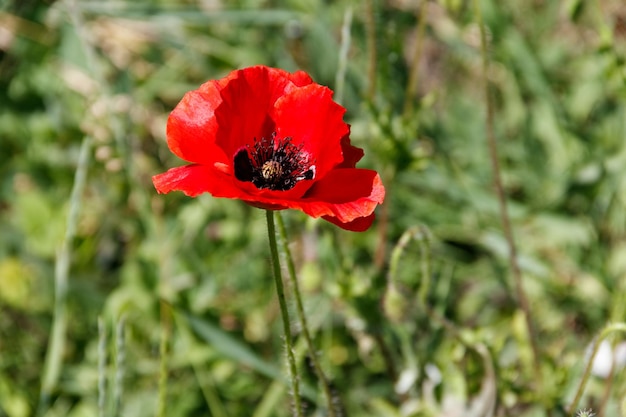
{"points": [[434, 329]]}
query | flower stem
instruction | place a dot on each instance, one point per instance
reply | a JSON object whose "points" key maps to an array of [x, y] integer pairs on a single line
{"points": [[340, 80], [166, 328], [302, 317], [370, 30], [102, 365], [522, 299], [120, 363], [411, 89], [56, 343], [610, 328], [280, 292]]}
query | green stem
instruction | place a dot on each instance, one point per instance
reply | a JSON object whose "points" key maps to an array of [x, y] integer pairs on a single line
{"points": [[522, 299], [340, 80], [56, 343], [102, 363], [424, 244], [302, 317], [411, 89], [166, 328], [370, 30], [120, 363], [398, 250], [280, 292], [422, 235], [610, 328]]}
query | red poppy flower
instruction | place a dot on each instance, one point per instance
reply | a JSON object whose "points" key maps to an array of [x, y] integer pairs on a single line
{"points": [[275, 140]]}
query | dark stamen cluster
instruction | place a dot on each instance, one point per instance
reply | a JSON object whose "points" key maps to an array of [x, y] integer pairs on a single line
{"points": [[273, 163]]}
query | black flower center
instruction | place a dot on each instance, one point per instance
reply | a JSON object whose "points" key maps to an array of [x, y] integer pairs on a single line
{"points": [[273, 163]]}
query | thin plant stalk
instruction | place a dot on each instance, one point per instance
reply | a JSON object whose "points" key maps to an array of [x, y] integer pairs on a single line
{"points": [[423, 239], [205, 380], [608, 385], [166, 329], [340, 80], [522, 299], [120, 363], [370, 30], [302, 318], [115, 124], [211, 397], [398, 250], [102, 364], [56, 343], [280, 292], [608, 330], [422, 235], [485, 403], [411, 89]]}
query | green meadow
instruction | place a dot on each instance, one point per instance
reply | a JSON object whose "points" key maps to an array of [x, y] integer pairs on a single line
{"points": [[491, 284]]}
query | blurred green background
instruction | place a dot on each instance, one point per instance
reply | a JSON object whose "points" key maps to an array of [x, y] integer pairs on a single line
{"points": [[85, 90]]}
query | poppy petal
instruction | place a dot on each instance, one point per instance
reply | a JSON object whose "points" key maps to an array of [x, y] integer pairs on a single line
{"points": [[252, 109], [345, 194], [351, 154], [194, 180], [300, 78], [247, 98], [310, 117], [360, 224], [192, 125]]}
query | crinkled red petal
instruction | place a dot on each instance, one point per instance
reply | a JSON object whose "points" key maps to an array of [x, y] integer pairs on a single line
{"points": [[247, 99], [191, 126], [212, 123], [345, 197], [351, 154], [194, 180], [217, 181], [360, 224], [310, 117], [346, 194], [300, 78], [266, 194]]}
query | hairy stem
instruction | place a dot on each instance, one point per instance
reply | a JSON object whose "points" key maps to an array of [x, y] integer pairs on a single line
{"points": [[504, 216], [280, 292], [302, 318]]}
